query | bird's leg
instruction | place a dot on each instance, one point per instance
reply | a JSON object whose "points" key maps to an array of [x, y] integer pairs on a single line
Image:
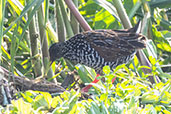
{"points": [[113, 80], [85, 89]]}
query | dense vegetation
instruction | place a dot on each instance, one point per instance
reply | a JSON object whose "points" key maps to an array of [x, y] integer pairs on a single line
{"points": [[29, 27]]}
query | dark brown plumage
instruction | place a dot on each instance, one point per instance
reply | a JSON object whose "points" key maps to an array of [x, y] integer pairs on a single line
{"points": [[98, 48]]}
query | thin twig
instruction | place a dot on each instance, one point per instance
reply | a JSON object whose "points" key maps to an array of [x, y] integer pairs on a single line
{"points": [[77, 15]]}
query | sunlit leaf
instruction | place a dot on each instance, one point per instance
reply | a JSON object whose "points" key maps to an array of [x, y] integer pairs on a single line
{"points": [[106, 69], [108, 6]]}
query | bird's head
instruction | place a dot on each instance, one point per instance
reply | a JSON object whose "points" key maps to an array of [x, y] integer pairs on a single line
{"points": [[56, 51]]}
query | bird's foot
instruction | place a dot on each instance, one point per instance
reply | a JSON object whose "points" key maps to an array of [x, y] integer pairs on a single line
{"points": [[85, 89]]}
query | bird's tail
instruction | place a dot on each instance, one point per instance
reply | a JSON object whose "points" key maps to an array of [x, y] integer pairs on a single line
{"points": [[136, 28], [139, 42]]}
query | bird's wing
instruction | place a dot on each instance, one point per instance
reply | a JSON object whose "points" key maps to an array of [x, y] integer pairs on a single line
{"points": [[109, 44]]}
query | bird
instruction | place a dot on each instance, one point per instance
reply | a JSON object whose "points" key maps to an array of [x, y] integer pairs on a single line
{"points": [[99, 48]]}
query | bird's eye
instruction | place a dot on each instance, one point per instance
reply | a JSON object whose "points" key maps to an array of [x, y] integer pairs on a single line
{"points": [[142, 38]]}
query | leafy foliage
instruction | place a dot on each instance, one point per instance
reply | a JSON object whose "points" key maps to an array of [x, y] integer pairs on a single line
{"points": [[133, 95]]}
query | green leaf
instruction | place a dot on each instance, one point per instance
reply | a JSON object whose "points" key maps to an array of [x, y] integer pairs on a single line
{"points": [[89, 8], [109, 7], [118, 67], [106, 69], [132, 102], [94, 109], [2, 11], [25, 10], [165, 75], [134, 9], [40, 101], [27, 96], [86, 74], [160, 3], [22, 107]]}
